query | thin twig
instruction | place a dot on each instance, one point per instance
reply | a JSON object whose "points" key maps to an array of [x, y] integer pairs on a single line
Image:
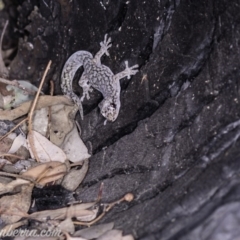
{"points": [[20, 123], [30, 115], [36, 97], [49, 111]]}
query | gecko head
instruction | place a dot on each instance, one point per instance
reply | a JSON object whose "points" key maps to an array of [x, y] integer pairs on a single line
{"points": [[109, 109]]}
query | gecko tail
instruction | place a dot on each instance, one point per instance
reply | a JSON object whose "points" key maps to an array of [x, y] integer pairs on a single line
{"points": [[80, 107]]}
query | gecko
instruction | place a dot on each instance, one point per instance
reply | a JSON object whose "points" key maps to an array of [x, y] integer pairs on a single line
{"points": [[98, 76]]}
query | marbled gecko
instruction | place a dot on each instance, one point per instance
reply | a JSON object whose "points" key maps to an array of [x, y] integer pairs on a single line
{"points": [[98, 76]]}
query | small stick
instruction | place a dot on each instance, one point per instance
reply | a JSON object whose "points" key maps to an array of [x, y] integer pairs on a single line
{"points": [[24, 120], [30, 115], [37, 96], [128, 197], [49, 110]]}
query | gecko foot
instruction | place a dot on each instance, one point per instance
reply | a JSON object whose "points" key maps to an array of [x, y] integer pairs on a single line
{"points": [[105, 45], [86, 91], [130, 70]]}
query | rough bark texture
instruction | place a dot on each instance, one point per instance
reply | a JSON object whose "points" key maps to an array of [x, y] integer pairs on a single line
{"points": [[175, 144]]}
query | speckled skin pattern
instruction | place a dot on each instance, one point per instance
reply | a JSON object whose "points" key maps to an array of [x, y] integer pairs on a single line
{"points": [[97, 76]]}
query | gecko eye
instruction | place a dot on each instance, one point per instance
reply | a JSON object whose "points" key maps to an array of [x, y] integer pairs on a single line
{"points": [[113, 105]]}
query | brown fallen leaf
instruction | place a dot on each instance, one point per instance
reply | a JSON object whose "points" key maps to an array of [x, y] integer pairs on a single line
{"points": [[5, 145], [46, 172], [78, 210], [14, 207], [23, 109], [11, 186]]}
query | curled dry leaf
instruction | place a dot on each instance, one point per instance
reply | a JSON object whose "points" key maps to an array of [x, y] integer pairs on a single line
{"points": [[41, 148], [75, 176], [46, 172], [14, 207], [23, 109], [62, 213], [94, 231], [88, 217], [11, 186]]}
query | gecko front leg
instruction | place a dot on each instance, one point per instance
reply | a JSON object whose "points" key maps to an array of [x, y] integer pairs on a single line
{"points": [[105, 45], [126, 73]]}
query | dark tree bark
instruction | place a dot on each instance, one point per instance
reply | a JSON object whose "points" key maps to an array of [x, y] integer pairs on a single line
{"points": [[175, 144]]}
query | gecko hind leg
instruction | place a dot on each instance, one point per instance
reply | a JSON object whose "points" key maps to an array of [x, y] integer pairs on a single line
{"points": [[84, 84], [77, 101]]}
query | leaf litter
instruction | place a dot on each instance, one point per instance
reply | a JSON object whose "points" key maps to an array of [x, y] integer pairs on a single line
{"points": [[48, 134]]}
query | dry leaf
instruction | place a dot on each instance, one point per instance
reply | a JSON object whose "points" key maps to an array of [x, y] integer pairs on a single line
{"points": [[94, 231], [40, 121], [41, 148], [46, 172], [5, 145], [11, 186], [74, 147], [73, 238], [19, 141], [14, 207], [111, 235], [61, 122], [4, 92], [63, 213], [18, 95], [67, 226], [23, 109], [128, 237], [88, 217], [73, 179]]}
